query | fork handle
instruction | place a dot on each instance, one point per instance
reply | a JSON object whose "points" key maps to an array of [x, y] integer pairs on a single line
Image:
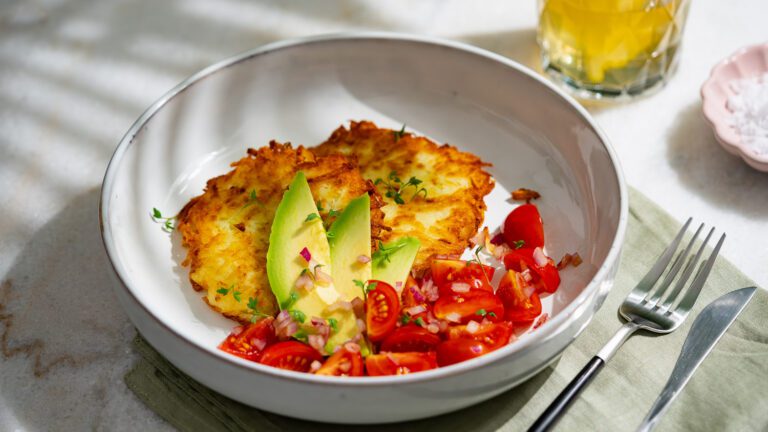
{"points": [[560, 405]]}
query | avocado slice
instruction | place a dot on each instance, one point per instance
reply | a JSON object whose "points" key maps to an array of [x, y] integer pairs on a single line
{"points": [[293, 229], [350, 238], [392, 262]]}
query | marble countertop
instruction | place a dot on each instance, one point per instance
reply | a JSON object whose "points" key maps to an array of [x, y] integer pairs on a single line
{"points": [[75, 74]]}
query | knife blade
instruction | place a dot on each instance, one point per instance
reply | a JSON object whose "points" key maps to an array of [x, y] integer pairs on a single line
{"points": [[707, 329]]}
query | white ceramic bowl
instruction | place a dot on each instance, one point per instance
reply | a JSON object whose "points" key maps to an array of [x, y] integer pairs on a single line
{"points": [[301, 90]]}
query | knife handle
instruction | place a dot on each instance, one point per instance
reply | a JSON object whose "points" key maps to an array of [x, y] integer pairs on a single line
{"points": [[560, 405]]}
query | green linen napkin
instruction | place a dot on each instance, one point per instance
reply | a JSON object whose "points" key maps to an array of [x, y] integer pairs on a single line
{"points": [[729, 392]]}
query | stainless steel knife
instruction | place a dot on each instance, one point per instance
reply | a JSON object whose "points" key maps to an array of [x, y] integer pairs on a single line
{"points": [[706, 330]]}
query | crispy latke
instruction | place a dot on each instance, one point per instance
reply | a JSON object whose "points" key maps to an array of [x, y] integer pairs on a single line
{"points": [[226, 229], [455, 184]]}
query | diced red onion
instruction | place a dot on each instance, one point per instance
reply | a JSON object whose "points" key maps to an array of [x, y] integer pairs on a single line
{"points": [[345, 366], [443, 325], [315, 366], [322, 277], [363, 259], [473, 327], [430, 290], [321, 327], [415, 310], [258, 343], [305, 254], [237, 330], [460, 287], [539, 257], [399, 287], [358, 306], [304, 282], [527, 275], [417, 295], [498, 239], [317, 342], [476, 349], [453, 317], [352, 347], [360, 325], [433, 328]]}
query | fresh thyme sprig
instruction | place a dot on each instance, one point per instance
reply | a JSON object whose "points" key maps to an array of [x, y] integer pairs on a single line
{"points": [[235, 293], [169, 223], [384, 252], [395, 187], [399, 134]]}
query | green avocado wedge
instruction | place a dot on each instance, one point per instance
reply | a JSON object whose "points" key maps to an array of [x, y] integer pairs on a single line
{"points": [[350, 239], [294, 229], [392, 261]]}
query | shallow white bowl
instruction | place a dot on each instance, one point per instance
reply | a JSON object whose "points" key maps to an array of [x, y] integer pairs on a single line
{"points": [[301, 90]]}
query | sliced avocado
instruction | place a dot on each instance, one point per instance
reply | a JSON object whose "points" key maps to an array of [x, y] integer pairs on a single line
{"points": [[293, 229], [350, 238], [392, 262]]}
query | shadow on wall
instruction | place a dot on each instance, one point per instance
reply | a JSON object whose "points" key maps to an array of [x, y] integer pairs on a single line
{"points": [[697, 157], [60, 325]]}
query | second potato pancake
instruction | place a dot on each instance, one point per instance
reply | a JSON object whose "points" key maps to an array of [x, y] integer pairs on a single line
{"points": [[226, 229], [450, 208]]}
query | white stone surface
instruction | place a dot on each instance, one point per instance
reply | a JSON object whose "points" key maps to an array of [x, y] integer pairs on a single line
{"points": [[75, 74]]}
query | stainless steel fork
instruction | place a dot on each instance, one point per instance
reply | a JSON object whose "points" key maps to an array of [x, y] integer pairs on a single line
{"points": [[646, 308]]}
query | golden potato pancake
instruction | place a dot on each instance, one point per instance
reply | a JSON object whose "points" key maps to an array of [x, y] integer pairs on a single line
{"points": [[450, 208], [226, 229]]}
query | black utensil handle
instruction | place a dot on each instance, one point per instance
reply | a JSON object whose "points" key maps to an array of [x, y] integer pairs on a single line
{"points": [[560, 405]]}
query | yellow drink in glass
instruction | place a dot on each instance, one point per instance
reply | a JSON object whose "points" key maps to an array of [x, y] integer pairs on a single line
{"points": [[610, 48]]}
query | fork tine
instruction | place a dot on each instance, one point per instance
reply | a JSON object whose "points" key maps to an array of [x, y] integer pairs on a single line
{"points": [[686, 273], [673, 270], [653, 275], [692, 294]]}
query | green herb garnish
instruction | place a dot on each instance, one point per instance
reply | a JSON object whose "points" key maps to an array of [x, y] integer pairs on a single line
{"points": [[334, 324], [298, 315], [168, 222], [253, 199], [301, 335], [481, 312], [519, 244], [311, 217], [419, 322], [405, 319], [492, 314], [384, 252], [394, 187], [399, 134]]}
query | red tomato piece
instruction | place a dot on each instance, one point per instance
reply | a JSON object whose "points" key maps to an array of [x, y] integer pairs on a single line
{"points": [[290, 355], [382, 310], [251, 340], [546, 278], [445, 271], [457, 350], [493, 335], [343, 363], [412, 295], [410, 338], [467, 305], [399, 363], [524, 223], [521, 308]]}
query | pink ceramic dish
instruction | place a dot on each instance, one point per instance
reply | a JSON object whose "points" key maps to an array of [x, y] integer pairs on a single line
{"points": [[747, 62]]}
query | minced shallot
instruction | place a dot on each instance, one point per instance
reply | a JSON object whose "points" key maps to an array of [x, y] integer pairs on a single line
{"points": [[322, 277], [460, 287], [417, 295], [453, 317], [473, 327], [430, 290], [415, 310]]}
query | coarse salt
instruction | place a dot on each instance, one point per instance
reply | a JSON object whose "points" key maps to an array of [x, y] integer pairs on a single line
{"points": [[749, 112]]}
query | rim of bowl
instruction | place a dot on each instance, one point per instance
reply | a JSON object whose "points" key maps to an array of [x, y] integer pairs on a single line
{"points": [[434, 374], [715, 121]]}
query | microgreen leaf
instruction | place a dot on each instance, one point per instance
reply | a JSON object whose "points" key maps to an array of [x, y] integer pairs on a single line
{"points": [[236, 295], [419, 322], [252, 303], [298, 315], [311, 217], [168, 222], [334, 324], [481, 312], [399, 134], [394, 187], [222, 291], [492, 314], [519, 244], [405, 319], [156, 213], [319, 205]]}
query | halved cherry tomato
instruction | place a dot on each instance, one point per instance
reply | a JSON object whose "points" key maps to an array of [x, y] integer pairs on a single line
{"points": [[290, 355], [547, 278], [343, 363], [493, 335], [445, 271], [410, 338], [399, 363], [251, 340], [468, 304], [520, 308], [457, 350], [382, 310], [524, 223]]}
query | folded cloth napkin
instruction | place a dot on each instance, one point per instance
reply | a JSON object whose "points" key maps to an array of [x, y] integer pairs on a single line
{"points": [[729, 392]]}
